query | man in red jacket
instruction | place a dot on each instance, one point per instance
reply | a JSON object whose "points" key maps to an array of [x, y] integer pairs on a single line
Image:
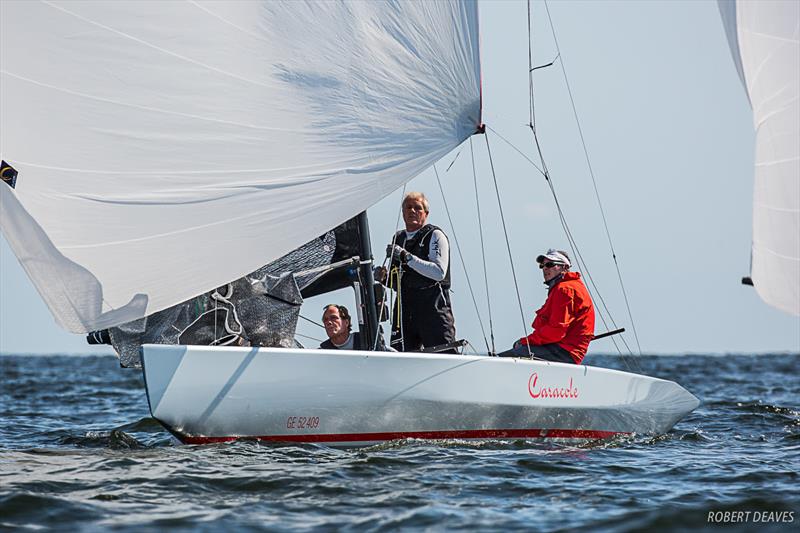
{"points": [[564, 325]]}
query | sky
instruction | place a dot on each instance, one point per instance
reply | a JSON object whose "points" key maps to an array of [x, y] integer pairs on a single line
{"points": [[670, 140]]}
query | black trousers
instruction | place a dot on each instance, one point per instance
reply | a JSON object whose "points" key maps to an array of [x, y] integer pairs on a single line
{"points": [[548, 352], [427, 320]]}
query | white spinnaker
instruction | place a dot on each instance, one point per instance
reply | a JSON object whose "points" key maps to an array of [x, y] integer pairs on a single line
{"points": [[765, 42], [166, 148]]}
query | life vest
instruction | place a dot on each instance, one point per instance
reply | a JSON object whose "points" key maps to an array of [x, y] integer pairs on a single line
{"points": [[419, 246]]}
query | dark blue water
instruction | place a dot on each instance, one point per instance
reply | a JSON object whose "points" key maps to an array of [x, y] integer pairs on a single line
{"points": [[79, 451]]}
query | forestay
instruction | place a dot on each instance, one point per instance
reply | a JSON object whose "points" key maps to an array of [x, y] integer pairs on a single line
{"points": [[764, 38], [165, 149]]}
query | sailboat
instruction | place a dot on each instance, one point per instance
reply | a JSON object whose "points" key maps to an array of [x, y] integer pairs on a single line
{"points": [[154, 175]]}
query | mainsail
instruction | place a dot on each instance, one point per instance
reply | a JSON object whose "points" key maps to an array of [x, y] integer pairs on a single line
{"points": [[764, 38], [164, 149]]}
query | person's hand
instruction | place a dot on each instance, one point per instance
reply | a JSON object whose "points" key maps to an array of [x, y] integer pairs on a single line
{"points": [[380, 274], [397, 253]]}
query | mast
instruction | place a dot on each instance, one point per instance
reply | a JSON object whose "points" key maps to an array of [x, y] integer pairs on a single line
{"points": [[370, 325]]}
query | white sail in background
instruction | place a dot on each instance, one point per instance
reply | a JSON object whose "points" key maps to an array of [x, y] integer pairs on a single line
{"points": [[764, 37], [167, 148]]}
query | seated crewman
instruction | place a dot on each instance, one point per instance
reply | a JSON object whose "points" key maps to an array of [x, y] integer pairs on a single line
{"points": [[564, 325], [336, 320]]}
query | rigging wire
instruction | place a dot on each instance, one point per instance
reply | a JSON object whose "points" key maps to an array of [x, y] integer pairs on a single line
{"points": [[520, 152], [582, 265], [309, 320], [573, 244], [544, 171], [532, 120], [591, 173], [550, 64], [576, 253], [307, 337], [460, 255], [508, 244], [483, 248], [399, 215], [453, 162]]}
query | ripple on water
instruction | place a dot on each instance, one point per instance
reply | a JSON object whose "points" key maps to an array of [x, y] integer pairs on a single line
{"points": [[72, 459], [28, 510]]}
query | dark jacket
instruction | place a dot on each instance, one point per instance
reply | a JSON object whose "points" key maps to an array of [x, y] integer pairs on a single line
{"points": [[328, 345], [420, 247]]}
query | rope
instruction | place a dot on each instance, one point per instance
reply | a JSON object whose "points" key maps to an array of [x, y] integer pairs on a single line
{"points": [[460, 255], [397, 317], [483, 248], [394, 282], [591, 173]]}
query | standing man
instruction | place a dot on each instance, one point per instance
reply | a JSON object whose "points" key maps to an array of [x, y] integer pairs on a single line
{"points": [[564, 326], [420, 266]]}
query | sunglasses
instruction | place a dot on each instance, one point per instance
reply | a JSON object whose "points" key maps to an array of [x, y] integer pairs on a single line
{"points": [[549, 264]]}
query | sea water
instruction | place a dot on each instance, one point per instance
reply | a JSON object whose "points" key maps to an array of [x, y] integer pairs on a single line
{"points": [[79, 451]]}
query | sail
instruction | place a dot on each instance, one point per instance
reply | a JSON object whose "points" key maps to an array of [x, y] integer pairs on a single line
{"points": [[166, 148], [764, 38], [260, 309]]}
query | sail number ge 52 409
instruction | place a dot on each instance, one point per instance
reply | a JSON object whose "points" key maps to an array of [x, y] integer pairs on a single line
{"points": [[302, 422]]}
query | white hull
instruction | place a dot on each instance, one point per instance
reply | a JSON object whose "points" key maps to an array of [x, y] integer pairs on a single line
{"points": [[210, 394]]}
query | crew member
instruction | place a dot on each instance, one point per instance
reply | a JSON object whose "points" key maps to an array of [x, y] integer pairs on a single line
{"points": [[564, 326], [420, 266], [336, 320]]}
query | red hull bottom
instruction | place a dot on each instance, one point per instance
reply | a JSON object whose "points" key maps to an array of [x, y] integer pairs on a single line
{"points": [[588, 434]]}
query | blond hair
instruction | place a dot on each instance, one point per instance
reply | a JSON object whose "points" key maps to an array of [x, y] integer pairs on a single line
{"points": [[414, 195]]}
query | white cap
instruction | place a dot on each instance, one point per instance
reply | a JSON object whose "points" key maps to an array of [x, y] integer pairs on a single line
{"points": [[556, 256]]}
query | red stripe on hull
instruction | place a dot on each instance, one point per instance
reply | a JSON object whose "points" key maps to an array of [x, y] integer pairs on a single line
{"points": [[464, 434]]}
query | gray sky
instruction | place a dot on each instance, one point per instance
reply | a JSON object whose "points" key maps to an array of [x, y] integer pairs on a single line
{"points": [[670, 139]]}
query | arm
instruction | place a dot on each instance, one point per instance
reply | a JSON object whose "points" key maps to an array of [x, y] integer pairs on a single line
{"points": [[558, 320], [381, 273], [435, 267], [553, 327]]}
